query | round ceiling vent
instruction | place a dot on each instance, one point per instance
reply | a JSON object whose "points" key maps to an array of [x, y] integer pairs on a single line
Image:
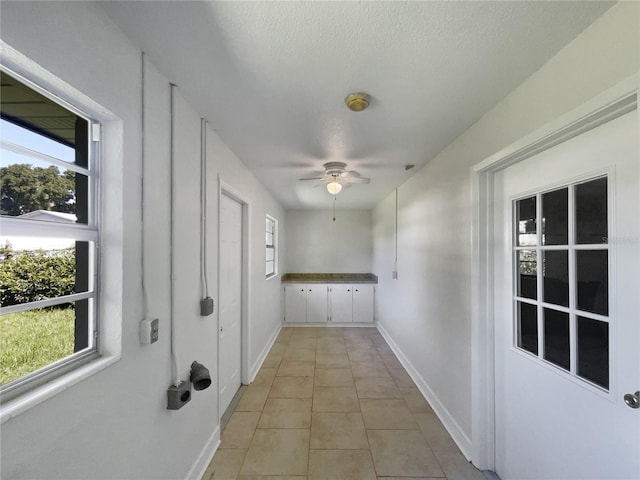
{"points": [[357, 101]]}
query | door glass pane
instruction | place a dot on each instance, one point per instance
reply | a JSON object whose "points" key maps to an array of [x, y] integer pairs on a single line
{"points": [[526, 220], [591, 212], [556, 338], [593, 351], [527, 269], [555, 224], [528, 327], [555, 276], [592, 268]]}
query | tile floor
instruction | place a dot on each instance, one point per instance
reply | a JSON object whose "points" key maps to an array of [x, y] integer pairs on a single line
{"points": [[335, 403]]}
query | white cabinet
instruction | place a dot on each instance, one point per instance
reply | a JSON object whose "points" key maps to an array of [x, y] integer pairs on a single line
{"points": [[295, 303], [305, 303], [336, 303], [352, 303], [363, 303], [341, 300]]}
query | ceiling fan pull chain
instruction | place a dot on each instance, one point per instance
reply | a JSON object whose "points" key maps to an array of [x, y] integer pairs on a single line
{"points": [[334, 208]]}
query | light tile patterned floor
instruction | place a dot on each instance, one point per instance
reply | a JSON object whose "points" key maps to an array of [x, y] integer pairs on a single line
{"points": [[331, 404]]}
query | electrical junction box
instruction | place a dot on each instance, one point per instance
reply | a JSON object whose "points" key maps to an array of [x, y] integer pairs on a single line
{"points": [[149, 331], [178, 396], [206, 306]]}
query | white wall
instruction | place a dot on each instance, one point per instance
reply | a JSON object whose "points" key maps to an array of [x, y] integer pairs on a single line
{"points": [[317, 244], [426, 312], [115, 424]]}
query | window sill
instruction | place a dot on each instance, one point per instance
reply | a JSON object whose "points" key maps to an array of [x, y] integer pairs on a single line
{"points": [[25, 402]]}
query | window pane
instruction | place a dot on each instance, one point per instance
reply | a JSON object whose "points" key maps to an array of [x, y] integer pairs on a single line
{"points": [[269, 238], [38, 191], [528, 327], [526, 220], [34, 339], [592, 267], [35, 141], [593, 351], [270, 254], [555, 224], [556, 277], [527, 268], [50, 272], [556, 338], [591, 212], [271, 267]]}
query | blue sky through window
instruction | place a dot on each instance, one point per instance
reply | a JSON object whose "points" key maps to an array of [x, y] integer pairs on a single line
{"points": [[21, 136]]}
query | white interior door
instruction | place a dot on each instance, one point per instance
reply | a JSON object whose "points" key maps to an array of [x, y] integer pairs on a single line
{"points": [[567, 302], [230, 308]]}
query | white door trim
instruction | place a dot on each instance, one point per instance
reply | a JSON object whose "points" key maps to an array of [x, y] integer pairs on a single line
{"points": [[607, 106], [229, 191]]}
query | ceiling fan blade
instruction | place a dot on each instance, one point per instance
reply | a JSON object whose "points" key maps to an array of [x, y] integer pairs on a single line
{"points": [[356, 180], [323, 182], [313, 178]]}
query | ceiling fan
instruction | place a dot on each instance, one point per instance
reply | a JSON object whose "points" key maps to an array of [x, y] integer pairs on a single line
{"points": [[336, 177]]}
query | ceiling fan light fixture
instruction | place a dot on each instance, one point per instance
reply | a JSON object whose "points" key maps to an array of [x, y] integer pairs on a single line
{"points": [[357, 102], [334, 187]]}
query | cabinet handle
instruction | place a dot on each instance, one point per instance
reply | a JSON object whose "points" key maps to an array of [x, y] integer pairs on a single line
{"points": [[356, 289], [348, 290]]}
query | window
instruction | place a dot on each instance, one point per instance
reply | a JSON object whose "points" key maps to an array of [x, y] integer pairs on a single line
{"points": [[271, 249], [48, 238], [561, 288]]}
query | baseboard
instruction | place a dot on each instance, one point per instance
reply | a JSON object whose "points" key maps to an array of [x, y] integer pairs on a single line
{"points": [[458, 436], [255, 368], [205, 457], [329, 325]]}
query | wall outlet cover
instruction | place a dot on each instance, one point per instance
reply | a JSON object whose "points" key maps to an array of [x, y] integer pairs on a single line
{"points": [[149, 331]]}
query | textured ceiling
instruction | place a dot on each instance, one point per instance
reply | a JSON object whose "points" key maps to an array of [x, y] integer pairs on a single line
{"points": [[271, 77]]}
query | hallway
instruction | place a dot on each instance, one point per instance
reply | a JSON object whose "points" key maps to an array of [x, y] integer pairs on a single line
{"points": [[335, 403]]}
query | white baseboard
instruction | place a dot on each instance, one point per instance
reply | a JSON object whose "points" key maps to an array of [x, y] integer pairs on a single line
{"points": [[205, 457], [458, 436], [255, 368]]}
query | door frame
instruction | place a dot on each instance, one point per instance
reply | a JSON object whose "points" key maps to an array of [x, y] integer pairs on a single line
{"points": [[229, 191], [611, 104]]}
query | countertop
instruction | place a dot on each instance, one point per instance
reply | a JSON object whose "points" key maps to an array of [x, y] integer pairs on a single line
{"points": [[329, 278]]}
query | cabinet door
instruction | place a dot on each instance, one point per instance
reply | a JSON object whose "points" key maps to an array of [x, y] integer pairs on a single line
{"points": [[341, 303], [363, 303], [316, 303], [295, 303]]}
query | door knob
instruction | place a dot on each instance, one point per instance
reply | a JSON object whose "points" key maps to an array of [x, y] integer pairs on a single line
{"points": [[632, 399]]}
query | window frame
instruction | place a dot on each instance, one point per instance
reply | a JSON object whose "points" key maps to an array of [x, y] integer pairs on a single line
{"points": [[273, 246], [30, 389]]}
